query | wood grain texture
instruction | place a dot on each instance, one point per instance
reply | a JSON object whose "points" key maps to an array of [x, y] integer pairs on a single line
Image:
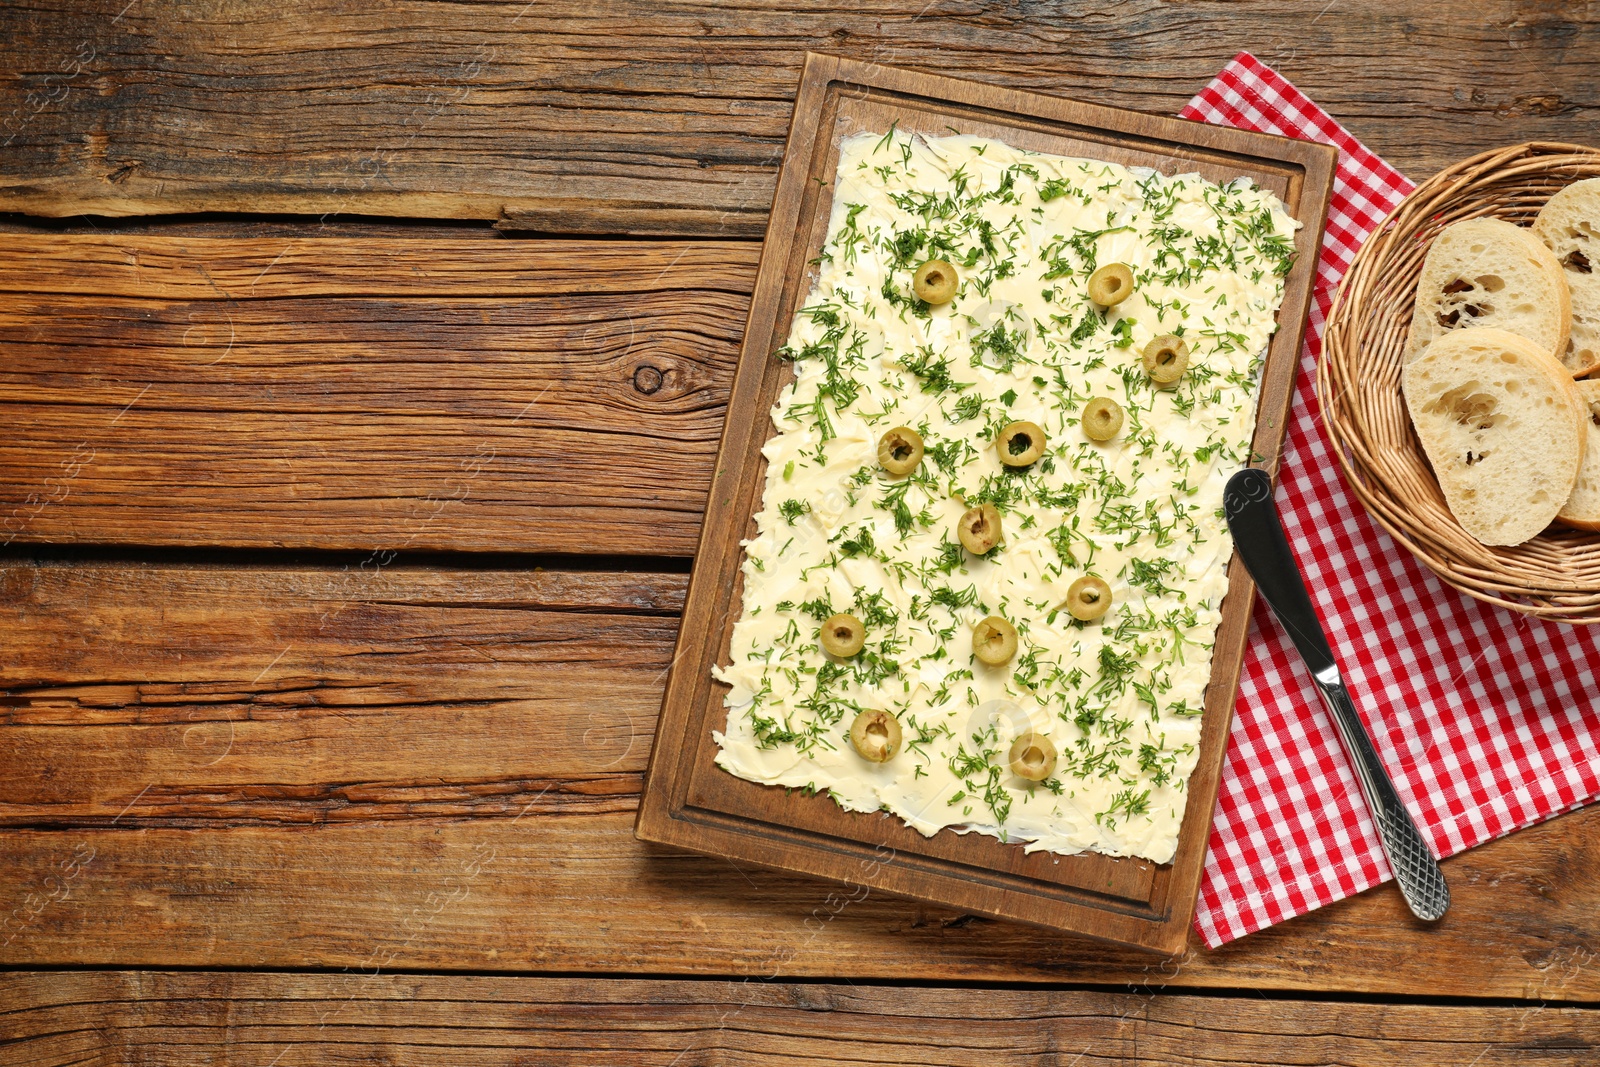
{"points": [[689, 801], [248, 1020], [670, 118], [535, 396], [290, 767], [229, 695], [202, 696], [562, 891]]}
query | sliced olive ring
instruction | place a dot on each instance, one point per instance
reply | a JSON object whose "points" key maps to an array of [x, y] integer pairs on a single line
{"points": [[994, 641], [1088, 598], [1111, 284], [935, 282], [1021, 443], [1102, 419], [843, 635], [1032, 756], [979, 528], [900, 450], [1166, 358], [875, 735]]}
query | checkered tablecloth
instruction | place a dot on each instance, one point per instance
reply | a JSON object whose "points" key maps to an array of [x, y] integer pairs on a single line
{"points": [[1485, 718]]}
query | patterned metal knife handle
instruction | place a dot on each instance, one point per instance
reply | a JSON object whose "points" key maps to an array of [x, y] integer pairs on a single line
{"points": [[1417, 872], [1259, 541]]}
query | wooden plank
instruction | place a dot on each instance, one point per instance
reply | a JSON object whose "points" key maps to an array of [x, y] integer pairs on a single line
{"points": [[434, 394], [229, 695], [690, 801], [563, 891], [291, 767], [119, 1017], [615, 117], [161, 267]]}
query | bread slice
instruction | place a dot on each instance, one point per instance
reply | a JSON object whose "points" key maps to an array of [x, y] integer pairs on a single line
{"points": [[1487, 272], [1501, 421], [1569, 225], [1582, 508]]}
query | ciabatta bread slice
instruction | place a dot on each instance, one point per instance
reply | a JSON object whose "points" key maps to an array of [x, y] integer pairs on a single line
{"points": [[1501, 422], [1582, 508], [1487, 272], [1569, 225]]}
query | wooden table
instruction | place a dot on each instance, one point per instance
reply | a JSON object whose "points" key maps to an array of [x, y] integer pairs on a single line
{"points": [[347, 518]]}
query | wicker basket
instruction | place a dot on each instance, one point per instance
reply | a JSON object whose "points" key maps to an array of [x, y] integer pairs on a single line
{"points": [[1555, 576]]}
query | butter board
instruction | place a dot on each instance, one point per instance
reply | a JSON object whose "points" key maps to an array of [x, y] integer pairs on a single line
{"points": [[691, 803]]}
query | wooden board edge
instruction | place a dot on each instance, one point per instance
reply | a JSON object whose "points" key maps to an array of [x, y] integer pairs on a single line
{"points": [[1178, 132], [714, 834]]}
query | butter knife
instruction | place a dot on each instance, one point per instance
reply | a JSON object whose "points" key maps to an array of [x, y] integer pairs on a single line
{"points": [[1259, 541]]}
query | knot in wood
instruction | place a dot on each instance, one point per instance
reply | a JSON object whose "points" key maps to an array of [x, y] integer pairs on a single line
{"points": [[648, 379]]}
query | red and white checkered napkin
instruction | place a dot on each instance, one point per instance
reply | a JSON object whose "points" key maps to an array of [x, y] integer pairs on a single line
{"points": [[1485, 718]]}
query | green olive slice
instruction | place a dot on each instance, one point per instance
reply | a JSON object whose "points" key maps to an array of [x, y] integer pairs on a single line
{"points": [[1032, 756], [875, 735], [935, 282], [1088, 598], [1020, 443], [900, 450], [979, 528], [843, 635], [1111, 284], [1102, 419], [994, 641], [1166, 358]]}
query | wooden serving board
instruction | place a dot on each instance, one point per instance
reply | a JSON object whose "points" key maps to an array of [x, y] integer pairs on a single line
{"points": [[688, 800]]}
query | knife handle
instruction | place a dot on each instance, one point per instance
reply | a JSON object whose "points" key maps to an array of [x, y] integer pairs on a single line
{"points": [[1260, 543], [1417, 872]]}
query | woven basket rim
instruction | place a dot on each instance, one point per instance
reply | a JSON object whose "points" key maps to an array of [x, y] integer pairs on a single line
{"points": [[1556, 575]]}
